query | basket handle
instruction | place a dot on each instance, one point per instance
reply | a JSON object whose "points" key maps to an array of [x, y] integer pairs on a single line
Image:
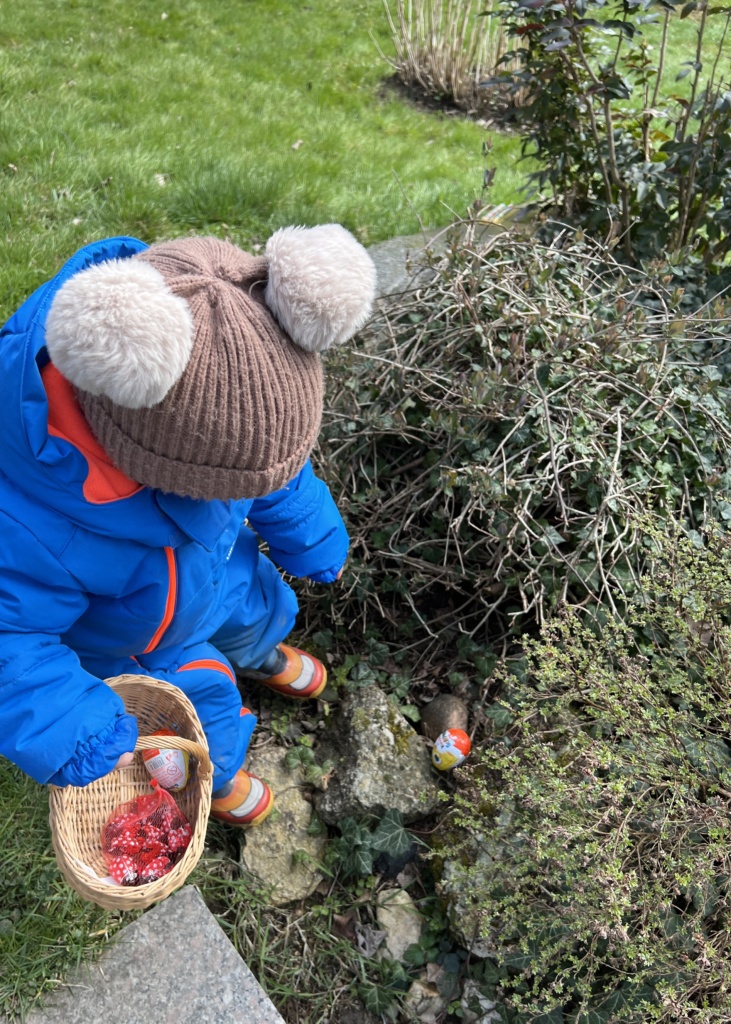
{"points": [[205, 768]]}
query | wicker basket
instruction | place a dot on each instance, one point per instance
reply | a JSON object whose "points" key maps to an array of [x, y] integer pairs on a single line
{"points": [[78, 813]]}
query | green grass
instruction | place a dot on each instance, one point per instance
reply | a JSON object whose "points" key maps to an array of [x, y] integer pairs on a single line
{"points": [[115, 119], [682, 41], [45, 928], [308, 969]]}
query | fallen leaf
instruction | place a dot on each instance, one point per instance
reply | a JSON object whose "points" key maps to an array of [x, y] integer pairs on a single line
{"points": [[324, 781], [368, 939], [434, 974], [344, 925]]}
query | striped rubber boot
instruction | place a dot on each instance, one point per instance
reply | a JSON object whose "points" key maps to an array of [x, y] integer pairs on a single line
{"points": [[245, 801], [291, 672]]}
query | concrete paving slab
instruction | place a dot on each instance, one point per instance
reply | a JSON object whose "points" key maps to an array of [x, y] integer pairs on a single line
{"points": [[400, 263], [174, 965], [397, 263]]}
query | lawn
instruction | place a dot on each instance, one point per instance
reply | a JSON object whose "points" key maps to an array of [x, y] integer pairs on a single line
{"points": [[156, 119]]}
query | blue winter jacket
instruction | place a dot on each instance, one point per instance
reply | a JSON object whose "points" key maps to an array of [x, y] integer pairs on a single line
{"points": [[87, 585]]}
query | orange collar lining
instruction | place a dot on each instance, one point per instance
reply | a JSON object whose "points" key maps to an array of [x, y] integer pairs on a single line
{"points": [[104, 482]]}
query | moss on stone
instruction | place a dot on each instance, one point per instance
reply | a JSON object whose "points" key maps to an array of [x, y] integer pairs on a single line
{"points": [[399, 730], [361, 720]]}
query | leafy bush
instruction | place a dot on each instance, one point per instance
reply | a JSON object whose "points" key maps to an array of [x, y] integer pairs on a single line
{"points": [[494, 434], [598, 820], [623, 152]]}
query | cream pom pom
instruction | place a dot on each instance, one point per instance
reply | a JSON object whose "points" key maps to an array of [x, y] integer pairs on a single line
{"points": [[321, 284], [115, 329]]}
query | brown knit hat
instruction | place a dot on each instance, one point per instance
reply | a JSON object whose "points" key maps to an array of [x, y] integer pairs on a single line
{"points": [[197, 365]]}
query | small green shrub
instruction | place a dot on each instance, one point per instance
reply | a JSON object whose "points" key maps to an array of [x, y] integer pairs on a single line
{"points": [[493, 436], [597, 823], [624, 149]]}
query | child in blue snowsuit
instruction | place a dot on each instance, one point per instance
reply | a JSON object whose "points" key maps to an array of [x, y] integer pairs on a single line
{"points": [[158, 409]]}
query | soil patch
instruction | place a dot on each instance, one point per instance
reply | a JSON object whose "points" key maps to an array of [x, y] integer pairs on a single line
{"points": [[495, 110]]}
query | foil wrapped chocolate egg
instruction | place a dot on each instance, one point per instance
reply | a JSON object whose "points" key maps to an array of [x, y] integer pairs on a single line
{"points": [[170, 767], [450, 749]]}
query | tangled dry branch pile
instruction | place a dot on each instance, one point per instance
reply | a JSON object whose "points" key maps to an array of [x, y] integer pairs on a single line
{"points": [[497, 431]]}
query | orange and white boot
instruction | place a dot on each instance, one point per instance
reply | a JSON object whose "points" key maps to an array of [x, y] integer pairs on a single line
{"points": [[291, 672], [245, 801]]}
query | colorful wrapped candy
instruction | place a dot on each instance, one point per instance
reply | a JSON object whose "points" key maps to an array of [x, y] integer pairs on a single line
{"points": [[450, 749], [143, 838]]}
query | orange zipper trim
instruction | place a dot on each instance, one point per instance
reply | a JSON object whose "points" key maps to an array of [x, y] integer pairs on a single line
{"points": [[169, 603], [209, 663]]}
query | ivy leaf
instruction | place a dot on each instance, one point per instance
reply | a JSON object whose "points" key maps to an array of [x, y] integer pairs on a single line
{"points": [[592, 1017], [552, 535], [359, 861], [410, 712], [391, 836], [375, 998], [414, 955], [500, 715], [323, 639], [543, 373], [555, 1016]]}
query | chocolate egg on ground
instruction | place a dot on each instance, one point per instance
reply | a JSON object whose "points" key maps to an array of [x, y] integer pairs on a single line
{"points": [[450, 749]]}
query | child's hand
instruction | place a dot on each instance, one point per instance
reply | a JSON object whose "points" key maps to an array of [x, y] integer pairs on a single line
{"points": [[124, 760], [326, 576]]}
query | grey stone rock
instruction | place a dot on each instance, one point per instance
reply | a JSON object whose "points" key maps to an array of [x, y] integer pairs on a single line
{"points": [[455, 885], [380, 763], [444, 712], [399, 918], [476, 1007], [424, 1003], [270, 848], [174, 965], [402, 263]]}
